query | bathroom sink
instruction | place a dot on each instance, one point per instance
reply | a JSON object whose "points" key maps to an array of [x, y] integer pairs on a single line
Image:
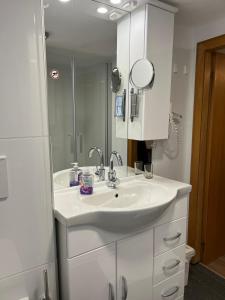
{"points": [[134, 204], [61, 178]]}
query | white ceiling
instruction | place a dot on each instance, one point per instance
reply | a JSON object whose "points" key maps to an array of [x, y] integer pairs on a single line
{"points": [[77, 26], [198, 12]]}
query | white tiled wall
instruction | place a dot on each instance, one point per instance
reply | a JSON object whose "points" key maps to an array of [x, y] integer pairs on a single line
{"points": [[26, 221]]}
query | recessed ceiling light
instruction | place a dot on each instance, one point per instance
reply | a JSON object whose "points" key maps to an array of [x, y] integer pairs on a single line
{"points": [[114, 16], [102, 10], [130, 5], [64, 1], [115, 1]]}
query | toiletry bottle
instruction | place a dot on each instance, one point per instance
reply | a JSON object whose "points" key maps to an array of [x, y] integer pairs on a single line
{"points": [[74, 175], [86, 184]]}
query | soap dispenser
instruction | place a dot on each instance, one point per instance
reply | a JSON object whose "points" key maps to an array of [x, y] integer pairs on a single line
{"points": [[75, 174]]}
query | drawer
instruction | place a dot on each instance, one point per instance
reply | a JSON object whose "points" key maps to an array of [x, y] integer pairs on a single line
{"points": [[168, 264], [177, 209], [169, 236], [171, 289]]}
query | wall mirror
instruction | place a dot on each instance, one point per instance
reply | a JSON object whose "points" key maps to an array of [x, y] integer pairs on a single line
{"points": [[81, 51], [142, 74]]}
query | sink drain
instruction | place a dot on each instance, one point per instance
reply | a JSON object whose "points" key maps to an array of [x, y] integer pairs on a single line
{"points": [[116, 195]]}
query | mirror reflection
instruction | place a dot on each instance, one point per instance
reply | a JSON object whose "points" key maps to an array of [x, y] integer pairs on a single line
{"points": [[81, 48]]}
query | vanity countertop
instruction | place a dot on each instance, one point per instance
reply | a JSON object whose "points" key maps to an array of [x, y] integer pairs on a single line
{"points": [[135, 202]]}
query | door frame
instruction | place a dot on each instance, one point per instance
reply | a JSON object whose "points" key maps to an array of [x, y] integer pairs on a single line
{"points": [[198, 203]]}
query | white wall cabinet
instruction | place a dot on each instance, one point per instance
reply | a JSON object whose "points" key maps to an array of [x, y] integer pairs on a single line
{"points": [[123, 48], [150, 29], [144, 265], [151, 37]]}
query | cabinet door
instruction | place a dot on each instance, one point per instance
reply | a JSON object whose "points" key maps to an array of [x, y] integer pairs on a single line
{"points": [[135, 267], [92, 275], [30, 285]]}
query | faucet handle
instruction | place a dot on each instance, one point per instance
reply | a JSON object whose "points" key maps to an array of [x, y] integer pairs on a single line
{"points": [[118, 157], [113, 181], [100, 153], [100, 170], [97, 172]]}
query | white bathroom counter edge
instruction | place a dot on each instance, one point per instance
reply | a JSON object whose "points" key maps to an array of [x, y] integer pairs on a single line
{"points": [[180, 187]]}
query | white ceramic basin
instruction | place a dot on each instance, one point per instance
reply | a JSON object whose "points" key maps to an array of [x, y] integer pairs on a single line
{"points": [[61, 178], [135, 203]]}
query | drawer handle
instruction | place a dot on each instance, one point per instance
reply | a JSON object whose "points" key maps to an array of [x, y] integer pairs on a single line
{"points": [[170, 292], [172, 238], [172, 266], [124, 288], [111, 292]]}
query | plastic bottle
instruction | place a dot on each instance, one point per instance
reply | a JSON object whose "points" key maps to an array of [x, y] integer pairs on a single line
{"points": [[86, 183], [75, 174]]}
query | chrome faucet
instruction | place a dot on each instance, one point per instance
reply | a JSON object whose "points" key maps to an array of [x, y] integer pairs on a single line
{"points": [[100, 171], [113, 181]]}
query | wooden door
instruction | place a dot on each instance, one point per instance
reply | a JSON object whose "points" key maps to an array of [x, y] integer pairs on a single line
{"points": [[214, 204]]}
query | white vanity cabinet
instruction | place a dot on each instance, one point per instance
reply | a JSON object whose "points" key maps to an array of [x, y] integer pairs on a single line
{"points": [[147, 264], [92, 275], [120, 270], [135, 267]]}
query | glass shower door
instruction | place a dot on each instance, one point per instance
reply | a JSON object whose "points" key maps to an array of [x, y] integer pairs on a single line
{"points": [[91, 96], [61, 109]]}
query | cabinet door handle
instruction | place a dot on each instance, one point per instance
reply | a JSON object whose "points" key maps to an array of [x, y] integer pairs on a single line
{"points": [[172, 238], [124, 288], [172, 266], [170, 292], [46, 288], [111, 292]]}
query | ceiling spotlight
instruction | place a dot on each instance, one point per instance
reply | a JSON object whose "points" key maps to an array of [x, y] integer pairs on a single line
{"points": [[115, 1], [64, 1], [114, 16], [102, 10], [130, 5]]}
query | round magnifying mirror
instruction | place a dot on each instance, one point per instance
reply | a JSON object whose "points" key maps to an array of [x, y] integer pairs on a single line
{"points": [[116, 80], [142, 74]]}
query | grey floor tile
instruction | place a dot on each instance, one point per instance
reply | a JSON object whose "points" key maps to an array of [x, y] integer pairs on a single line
{"points": [[204, 285]]}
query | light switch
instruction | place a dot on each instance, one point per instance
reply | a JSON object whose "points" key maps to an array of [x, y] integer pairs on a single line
{"points": [[175, 68], [185, 70], [3, 178]]}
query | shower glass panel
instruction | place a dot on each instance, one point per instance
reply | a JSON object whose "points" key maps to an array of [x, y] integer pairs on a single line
{"points": [[80, 109], [61, 110], [91, 116]]}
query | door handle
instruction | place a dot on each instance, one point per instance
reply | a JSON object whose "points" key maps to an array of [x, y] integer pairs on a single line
{"points": [[170, 292], [124, 288], [172, 238], [46, 288], [71, 142], [111, 292]]}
